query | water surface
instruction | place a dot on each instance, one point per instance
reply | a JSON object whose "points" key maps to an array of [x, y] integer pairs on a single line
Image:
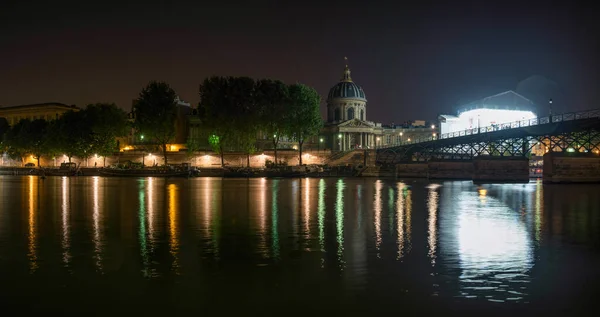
{"points": [[278, 246]]}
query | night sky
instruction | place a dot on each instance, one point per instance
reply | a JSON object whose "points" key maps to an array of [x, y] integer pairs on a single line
{"points": [[414, 60]]}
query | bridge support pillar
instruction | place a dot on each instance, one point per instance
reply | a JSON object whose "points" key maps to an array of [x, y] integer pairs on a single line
{"points": [[565, 167], [500, 169], [450, 169]]}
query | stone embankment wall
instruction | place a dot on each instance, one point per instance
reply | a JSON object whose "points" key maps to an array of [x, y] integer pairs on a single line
{"points": [[200, 159], [571, 168], [412, 169], [451, 169], [501, 169]]}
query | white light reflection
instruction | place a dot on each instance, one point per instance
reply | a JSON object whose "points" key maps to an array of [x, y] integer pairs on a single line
{"points": [[493, 246], [432, 207], [96, 218], [377, 216], [321, 216], [539, 210], [307, 208], [210, 210], [408, 218], [400, 220], [150, 189], [32, 243], [66, 241], [339, 220], [262, 246]]}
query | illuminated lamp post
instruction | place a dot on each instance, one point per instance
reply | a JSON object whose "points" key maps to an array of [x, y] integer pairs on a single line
{"points": [[401, 140], [433, 135], [319, 145], [376, 141], [340, 141]]}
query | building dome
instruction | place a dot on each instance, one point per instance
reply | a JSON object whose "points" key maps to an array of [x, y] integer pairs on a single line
{"points": [[346, 100], [346, 88]]}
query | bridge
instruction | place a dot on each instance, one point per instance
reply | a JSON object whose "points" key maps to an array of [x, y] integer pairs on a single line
{"points": [[569, 132]]}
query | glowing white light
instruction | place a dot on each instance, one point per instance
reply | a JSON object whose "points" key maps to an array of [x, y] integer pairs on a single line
{"points": [[478, 118]]}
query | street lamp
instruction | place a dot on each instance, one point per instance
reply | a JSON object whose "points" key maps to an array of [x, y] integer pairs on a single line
{"points": [[433, 126], [434, 135], [340, 141], [319, 145], [376, 142], [401, 141]]}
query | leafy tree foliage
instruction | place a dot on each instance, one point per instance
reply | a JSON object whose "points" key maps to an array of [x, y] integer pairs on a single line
{"points": [[304, 117], [28, 138], [107, 122], [272, 96], [72, 135], [155, 114], [4, 128], [237, 109]]}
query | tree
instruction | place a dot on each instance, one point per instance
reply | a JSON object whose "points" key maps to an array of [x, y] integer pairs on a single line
{"points": [[16, 139], [155, 113], [107, 123], [246, 115], [4, 128], [272, 97], [304, 119], [28, 138], [217, 112], [72, 135], [37, 139]]}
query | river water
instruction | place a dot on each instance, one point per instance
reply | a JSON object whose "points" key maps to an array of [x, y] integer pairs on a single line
{"points": [[152, 246]]}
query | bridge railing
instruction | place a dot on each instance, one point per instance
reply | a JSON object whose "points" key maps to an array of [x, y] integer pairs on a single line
{"points": [[570, 116]]}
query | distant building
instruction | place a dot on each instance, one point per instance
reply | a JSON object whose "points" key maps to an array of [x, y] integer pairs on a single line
{"points": [[48, 111], [347, 126]]}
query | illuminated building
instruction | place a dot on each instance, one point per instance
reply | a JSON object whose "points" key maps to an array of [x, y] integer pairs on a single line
{"points": [[47, 111], [491, 111]]}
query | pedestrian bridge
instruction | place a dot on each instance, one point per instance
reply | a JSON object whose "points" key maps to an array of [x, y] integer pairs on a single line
{"points": [[571, 132]]}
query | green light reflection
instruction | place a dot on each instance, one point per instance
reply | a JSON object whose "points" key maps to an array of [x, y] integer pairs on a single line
{"points": [[275, 220], [339, 219]]}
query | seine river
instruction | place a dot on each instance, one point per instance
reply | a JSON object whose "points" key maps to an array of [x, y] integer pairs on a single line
{"points": [[355, 246]]}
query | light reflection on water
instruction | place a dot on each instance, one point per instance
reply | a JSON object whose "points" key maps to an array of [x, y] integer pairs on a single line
{"points": [[453, 239]]}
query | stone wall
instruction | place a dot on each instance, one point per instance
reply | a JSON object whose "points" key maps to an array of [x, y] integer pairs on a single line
{"points": [[571, 168], [451, 169], [501, 169], [200, 159], [416, 169]]}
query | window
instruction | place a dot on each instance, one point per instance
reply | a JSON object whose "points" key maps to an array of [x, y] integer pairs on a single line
{"points": [[350, 113], [336, 115], [362, 114]]}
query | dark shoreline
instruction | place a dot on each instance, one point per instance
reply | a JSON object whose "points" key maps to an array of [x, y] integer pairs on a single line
{"points": [[206, 172]]}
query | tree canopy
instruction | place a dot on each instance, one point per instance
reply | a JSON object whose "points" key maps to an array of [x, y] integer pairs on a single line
{"points": [[155, 113], [235, 110], [303, 115]]}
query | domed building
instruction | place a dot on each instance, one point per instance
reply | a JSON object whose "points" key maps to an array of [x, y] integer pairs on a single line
{"points": [[347, 126]]}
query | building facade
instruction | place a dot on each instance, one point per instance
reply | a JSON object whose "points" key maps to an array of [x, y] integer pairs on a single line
{"points": [[347, 126], [48, 111]]}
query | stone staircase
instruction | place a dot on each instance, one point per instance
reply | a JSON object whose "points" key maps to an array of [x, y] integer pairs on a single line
{"points": [[343, 158]]}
